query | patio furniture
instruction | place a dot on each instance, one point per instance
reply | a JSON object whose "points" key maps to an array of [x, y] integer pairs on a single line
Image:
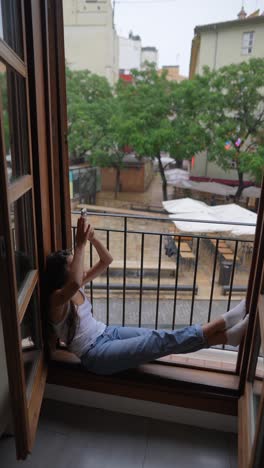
{"points": [[235, 289]]}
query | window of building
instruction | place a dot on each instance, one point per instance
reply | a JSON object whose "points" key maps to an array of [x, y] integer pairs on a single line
{"points": [[247, 42]]}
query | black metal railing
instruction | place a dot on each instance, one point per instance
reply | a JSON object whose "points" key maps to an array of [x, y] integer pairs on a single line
{"points": [[180, 280]]}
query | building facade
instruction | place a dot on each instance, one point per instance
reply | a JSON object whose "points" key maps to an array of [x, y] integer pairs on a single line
{"points": [[149, 54], [133, 56], [129, 52], [91, 42], [173, 73], [217, 45], [220, 44], [135, 175]]}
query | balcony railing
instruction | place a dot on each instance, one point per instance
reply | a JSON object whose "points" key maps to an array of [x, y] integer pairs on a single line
{"points": [[160, 278]]}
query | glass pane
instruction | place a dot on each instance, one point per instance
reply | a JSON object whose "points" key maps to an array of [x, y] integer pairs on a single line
{"points": [[23, 237], [76, 183], [14, 110], [11, 25], [30, 337]]}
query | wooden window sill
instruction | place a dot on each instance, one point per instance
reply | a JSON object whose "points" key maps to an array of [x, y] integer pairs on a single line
{"points": [[156, 381], [217, 360]]}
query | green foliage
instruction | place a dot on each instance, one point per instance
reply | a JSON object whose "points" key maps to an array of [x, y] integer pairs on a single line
{"points": [[98, 127], [89, 100], [148, 104], [163, 116], [154, 115], [111, 151], [234, 109], [188, 135]]}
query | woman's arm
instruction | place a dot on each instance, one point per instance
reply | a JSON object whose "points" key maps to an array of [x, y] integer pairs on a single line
{"points": [[102, 264], [60, 297]]}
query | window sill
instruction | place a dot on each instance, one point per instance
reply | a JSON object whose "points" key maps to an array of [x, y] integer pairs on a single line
{"points": [[157, 381], [216, 360]]}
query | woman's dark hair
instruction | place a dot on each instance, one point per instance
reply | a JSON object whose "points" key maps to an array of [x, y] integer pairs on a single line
{"points": [[55, 278]]}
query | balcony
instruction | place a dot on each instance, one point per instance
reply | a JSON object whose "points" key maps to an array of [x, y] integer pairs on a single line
{"points": [[160, 279]]}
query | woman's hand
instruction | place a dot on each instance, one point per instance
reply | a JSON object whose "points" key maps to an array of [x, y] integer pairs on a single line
{"points": [[84, 232], [81, 235], [90, 233]]}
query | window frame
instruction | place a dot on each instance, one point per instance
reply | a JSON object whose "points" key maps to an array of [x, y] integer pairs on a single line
{"points": [[251, 38], [46, 74], [48, 183], [251, 442], [25, 402]]}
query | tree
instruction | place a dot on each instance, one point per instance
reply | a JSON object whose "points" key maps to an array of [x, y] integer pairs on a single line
{"points": [[97, 123], [233, 118], [188, 135], [148, 102], [112, 148], [161, 114], [89, 99]]}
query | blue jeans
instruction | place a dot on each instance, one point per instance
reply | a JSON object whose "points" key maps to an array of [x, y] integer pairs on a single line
{"points": [[120, 348]]}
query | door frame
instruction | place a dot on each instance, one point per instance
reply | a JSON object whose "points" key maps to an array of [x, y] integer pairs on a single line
{"points": [[48, 182], [251, 429]]}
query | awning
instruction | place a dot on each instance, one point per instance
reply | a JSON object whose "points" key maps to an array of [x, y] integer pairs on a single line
{"points": [[195, 211], [181, 179]]}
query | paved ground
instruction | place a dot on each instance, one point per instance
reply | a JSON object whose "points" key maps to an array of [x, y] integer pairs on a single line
{"points": [[153, 198], [135, 229], [165, 311]]}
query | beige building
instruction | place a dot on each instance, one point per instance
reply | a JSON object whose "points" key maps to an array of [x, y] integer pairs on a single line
{"points": [[217, 45], [173, 73], [135, 175], [220, 44], [91, 42]]}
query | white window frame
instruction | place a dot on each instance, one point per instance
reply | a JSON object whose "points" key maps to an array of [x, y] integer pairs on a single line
{"points": [[248, 39]]}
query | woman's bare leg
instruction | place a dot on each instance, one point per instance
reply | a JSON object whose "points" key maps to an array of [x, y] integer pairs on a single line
{"points": [[217, 339], [216, 333], [216, 326]]}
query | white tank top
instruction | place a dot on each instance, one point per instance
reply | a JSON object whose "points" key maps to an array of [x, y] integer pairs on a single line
{"points": [[88, 328]]}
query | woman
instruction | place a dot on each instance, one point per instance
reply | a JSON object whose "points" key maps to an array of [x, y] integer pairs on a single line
{"points": [[106, 350]]}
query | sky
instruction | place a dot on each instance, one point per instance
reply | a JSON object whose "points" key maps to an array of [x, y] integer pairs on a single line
{"points": [[169, 25]]}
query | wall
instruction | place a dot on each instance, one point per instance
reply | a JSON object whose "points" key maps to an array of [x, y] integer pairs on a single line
{"points": [[204, 168], [133, 179], [219, 48], [200, 165], [223, 47], [91, 42], [4, 387], [148, 409], [149, 56], [129, 53], [148, 173], [173, 73]]}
